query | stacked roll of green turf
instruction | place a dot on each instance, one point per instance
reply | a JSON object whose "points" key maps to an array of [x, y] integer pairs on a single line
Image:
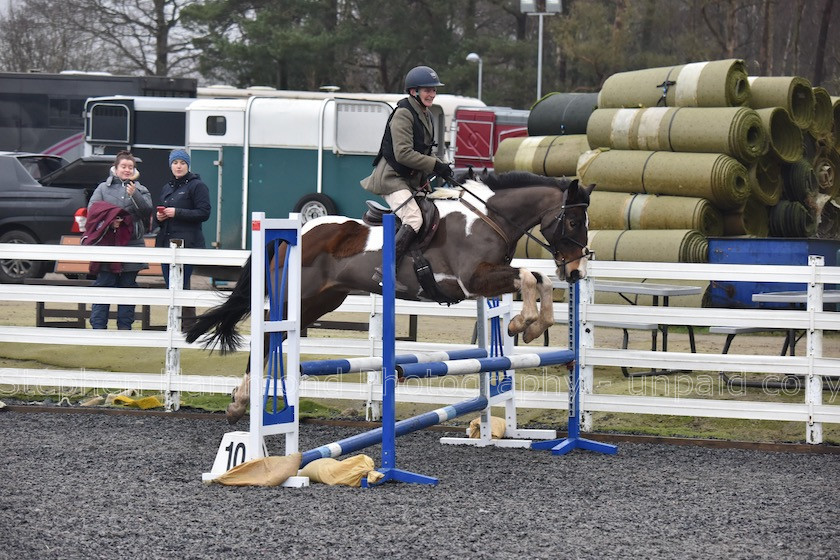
{"points": [[561, 114], [752, 219], [718, 178], [553, 156], [660, 245], [735, 131], [785, 136], [719, 83], [826, 165], [792, 93], [766, 180], [611, 210], [835, 125], [800, 181], [792, 219], [823, 114]]}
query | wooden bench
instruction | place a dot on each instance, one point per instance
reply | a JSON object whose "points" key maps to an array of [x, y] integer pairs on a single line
{"points": [[78, 317]]}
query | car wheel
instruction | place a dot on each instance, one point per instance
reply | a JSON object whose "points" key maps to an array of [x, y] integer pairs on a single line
{"points": [[15, 271], [315, 205]]}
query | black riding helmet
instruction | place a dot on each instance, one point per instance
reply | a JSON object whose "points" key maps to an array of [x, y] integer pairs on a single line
{"points": [[421, 76]]}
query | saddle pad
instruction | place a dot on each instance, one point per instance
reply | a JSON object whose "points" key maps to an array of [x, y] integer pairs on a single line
{"points": [[444, 193]]}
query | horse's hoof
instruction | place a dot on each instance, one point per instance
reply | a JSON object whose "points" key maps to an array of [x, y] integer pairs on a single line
{"points": [[234, 412]]}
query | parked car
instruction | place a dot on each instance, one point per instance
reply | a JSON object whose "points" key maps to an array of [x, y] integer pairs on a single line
{"points": [[39, 197]]}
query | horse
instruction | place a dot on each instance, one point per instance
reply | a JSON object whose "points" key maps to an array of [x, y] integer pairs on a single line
{"points": [[466, 253]]}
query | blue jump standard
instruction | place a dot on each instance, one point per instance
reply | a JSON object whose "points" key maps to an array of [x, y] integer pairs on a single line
{"points": [[352, 365], [479, 365], [573, 439]]}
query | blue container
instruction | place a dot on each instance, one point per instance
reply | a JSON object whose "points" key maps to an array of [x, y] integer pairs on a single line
{"points": [[762, 250]]}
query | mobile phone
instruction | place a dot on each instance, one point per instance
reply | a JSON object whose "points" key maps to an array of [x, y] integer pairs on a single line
{"points": [[160, 209]]}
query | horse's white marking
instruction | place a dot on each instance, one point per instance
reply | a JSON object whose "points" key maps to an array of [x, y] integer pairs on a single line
{"points": [[478, 195]]}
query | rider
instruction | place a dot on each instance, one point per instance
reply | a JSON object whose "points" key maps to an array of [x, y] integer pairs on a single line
{"points": [[405, 159]]}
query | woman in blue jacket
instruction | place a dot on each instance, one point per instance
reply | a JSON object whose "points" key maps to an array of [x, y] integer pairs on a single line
{"points": [[184, 206]]}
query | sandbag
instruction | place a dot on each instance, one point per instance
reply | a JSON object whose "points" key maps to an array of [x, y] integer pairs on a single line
{"points": [[719, 178], [609, 210], [664, 245], [265, 471], [735, 131], [792, 93], [552, 156], [561, 114], [719, 83], [347, 472], [497, 427]]}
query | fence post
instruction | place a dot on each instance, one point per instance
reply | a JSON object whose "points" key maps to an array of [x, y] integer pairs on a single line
{"points": [[813, 382], [172, 399]]}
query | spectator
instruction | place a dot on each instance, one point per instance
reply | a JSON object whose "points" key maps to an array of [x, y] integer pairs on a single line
{"points": [[185, 205], [122, 190]]}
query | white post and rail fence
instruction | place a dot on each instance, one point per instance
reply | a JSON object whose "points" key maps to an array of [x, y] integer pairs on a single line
{"points": [[811, 366]]}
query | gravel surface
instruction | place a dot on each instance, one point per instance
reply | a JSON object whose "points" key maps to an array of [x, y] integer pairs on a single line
{"points": [[99, 486]]}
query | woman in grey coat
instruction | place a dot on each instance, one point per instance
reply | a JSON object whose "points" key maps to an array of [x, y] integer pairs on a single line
{"points": [[123, 190]]}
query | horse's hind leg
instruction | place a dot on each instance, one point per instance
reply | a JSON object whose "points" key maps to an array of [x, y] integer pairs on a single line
{"points": [[546, 315], [241, 397]]}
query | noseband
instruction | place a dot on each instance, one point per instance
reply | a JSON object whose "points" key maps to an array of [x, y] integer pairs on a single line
{"points": [[560, 220]]}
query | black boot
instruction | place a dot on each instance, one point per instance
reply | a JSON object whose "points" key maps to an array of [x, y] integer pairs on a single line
{"points": [[405, 235]]}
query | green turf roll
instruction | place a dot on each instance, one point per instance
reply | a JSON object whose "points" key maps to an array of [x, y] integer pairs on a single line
{"points": [[766, 180], [823, 114], [792, 93], [752, 219], [717, 83], [719, 178], [792, 219], [552, 156], [561, 114], [735, 131], [610, 210], [785, 136], [664, 245]]}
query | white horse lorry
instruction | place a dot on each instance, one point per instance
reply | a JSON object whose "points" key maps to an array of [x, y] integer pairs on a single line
{"points": [[270, 150]]}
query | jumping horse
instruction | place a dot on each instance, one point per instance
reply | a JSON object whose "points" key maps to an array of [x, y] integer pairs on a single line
{"points": [[467, 245]]}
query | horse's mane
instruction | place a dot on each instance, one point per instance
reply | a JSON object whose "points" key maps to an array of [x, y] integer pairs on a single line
{"points": [[514, 179]]}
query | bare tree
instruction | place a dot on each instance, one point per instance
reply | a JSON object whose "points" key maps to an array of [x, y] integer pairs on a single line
{"points": [[819, 55], [144, 36], [33, 38]]}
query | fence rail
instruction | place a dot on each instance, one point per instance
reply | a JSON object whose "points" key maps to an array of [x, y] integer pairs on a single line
{"points": [[813, 366]]}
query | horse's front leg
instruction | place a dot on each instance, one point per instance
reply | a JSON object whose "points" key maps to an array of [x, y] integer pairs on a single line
{"points": [[491, 280], [546, 315]]}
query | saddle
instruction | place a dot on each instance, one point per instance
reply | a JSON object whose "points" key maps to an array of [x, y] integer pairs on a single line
{"points": [[422, 268]]}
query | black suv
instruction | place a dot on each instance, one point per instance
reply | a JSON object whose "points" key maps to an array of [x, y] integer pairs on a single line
{"points": [[39, 197]]}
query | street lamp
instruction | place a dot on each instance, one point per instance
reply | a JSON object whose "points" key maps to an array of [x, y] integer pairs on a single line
{"points": [[540, 8], [473, 57]]}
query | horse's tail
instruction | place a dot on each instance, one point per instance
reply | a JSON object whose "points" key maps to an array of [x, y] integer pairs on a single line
{"points": [[222, 319]]}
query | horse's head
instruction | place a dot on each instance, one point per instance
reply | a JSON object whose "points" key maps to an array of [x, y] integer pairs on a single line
{"points": [[566, 231]]}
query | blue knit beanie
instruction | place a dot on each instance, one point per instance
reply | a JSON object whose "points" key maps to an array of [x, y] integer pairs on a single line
{"points": [[179, 154]]}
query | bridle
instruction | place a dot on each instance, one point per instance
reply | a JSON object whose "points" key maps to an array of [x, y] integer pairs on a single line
{"points": [[560, 220]]}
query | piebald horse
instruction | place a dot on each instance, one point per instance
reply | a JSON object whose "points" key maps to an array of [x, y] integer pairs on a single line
{"points": [[468, 254]]}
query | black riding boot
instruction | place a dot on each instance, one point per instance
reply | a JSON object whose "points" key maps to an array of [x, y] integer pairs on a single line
{"points": [[405, 235]]}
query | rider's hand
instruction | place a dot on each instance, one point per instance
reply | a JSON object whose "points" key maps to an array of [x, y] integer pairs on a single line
{"points": [[443, 171]]}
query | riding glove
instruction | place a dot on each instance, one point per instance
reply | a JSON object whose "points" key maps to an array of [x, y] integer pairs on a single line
{"points": [[443, 171]]}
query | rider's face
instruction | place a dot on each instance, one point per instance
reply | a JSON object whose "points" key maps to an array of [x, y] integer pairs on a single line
{"points": [[427, 95]]}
